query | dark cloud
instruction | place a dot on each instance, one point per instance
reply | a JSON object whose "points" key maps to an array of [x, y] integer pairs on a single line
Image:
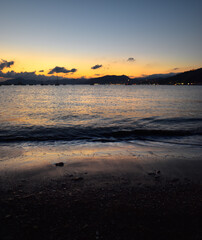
{"points": [[61, 70], [5, 64], [96, 67], [41, 71], [131, 59], [174, 69], [26, 75], [13, 74]]}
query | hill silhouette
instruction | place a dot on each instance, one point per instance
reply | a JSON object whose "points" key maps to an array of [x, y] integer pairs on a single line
{"points": [[193, 77], [110, 79]]}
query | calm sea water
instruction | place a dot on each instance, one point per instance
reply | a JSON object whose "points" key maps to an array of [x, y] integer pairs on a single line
{"points": [[101, 113], [101, 127]]}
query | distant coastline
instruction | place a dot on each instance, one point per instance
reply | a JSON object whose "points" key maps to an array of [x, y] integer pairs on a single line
{"points": [[193, 77]]}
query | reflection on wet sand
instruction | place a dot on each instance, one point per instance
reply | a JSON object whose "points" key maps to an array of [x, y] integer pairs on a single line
{"points": [[139, 162]]}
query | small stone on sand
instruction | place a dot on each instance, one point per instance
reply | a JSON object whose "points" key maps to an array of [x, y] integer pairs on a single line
{"points": [[60, 164]]}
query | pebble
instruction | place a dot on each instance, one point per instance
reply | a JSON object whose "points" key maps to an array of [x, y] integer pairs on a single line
{"points": [[77, 179], [60, 164], [154, 173], [151, 173]]}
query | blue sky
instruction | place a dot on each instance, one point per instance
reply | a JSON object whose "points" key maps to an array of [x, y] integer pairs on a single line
{"points": [[159, 35]]}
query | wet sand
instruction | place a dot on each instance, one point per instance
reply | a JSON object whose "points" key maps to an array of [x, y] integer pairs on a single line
{"points": [[83, 205], [102, 193]]}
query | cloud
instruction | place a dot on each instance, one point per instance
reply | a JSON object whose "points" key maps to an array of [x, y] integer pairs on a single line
{"points": [[144, 75], [5, 64], [26, 75], [131, 59], [96, 67], [13, 74], [61, 70], [174, 69], [41, 71]]}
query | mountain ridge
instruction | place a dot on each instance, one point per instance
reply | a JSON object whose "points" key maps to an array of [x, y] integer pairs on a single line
{"points": [[192, 77]]}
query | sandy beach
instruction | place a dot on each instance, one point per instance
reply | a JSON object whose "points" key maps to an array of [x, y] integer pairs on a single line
{"points": [[100, 120], [90, 200]]}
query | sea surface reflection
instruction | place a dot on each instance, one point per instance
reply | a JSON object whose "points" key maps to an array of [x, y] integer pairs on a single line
{"points": [[104, 127]]}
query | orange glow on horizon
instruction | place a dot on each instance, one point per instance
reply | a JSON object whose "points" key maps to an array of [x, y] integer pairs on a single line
{"points": [[35, 62]]}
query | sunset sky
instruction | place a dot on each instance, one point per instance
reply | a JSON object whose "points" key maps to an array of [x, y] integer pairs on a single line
{"points": [[96, 38]]}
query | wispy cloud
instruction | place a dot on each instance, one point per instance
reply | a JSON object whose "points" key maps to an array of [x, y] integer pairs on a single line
{"points": [[96, 66], [131, 59], [5, 64], [41, 71], [62, 70]]}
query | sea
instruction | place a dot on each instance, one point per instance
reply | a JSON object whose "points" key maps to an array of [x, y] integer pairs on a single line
{"points": [[42, 125]]}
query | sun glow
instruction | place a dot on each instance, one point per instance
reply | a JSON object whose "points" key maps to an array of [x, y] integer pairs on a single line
{"points": [[41, 64]]}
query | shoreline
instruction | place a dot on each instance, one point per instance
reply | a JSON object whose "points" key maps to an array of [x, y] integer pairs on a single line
{"points": [[101, 191]]}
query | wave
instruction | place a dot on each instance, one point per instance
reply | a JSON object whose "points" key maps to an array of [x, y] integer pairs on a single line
{"points": [[179, 120], [90, 133], [169, 121]]}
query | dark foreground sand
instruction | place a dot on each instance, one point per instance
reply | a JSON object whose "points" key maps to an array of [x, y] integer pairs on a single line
{"points": [[101, 206]]}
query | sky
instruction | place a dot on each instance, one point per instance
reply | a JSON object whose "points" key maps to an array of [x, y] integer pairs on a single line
{"points": [[95, 38]]}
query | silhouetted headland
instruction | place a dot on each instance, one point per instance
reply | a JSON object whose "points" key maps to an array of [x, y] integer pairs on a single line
{"points": [[193, 77]]}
